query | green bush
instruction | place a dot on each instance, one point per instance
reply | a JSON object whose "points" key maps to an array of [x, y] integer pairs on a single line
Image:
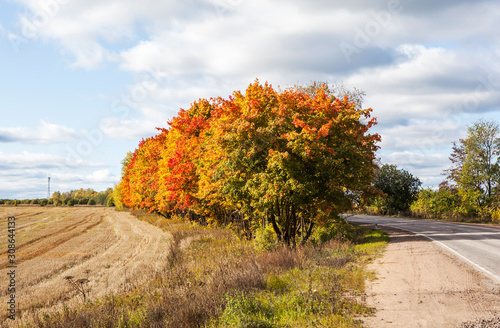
{"points": [[265, 238], [435, 203], [341, 230], [399, 186], [380, 205]]}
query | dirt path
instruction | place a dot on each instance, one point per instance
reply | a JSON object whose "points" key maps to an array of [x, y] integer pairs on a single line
{"points": [[421, 285]]}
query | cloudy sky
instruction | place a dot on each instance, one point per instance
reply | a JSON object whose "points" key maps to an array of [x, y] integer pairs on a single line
{"points": [[82, 81]]}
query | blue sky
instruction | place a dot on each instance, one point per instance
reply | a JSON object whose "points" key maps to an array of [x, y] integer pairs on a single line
{"points": [[83, 81]]}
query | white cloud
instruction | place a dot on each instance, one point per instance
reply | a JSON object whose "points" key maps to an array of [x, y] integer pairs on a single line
{"points": [[132, 129], [428, 167], [44, 134], [102, 176], [83, 27], [432, 83], [25, 175], [226, 35], [418, 159], [425, 135], [40, 161]]}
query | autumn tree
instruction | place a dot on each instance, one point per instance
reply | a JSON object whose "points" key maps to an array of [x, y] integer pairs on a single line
{"points": [[181, 159], [139, 184], [292, 159], [116, 196]]}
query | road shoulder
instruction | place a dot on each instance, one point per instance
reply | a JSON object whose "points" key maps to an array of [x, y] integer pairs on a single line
{"points": [[419, 284]]}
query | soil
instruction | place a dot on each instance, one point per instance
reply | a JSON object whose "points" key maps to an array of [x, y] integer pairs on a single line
{"points": [[420, 284]]}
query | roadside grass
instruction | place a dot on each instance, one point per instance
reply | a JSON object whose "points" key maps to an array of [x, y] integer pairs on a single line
{"points": [[372, 244], [214, 279]]}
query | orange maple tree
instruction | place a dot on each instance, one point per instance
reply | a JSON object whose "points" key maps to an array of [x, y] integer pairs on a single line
{"points": [[139, 184]]}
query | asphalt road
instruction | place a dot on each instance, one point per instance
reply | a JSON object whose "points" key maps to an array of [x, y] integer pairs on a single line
{"points": [[478, 245]]}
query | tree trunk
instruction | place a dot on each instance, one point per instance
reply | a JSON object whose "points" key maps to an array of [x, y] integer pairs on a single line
{"points": [[279, 234], [308, 234]]}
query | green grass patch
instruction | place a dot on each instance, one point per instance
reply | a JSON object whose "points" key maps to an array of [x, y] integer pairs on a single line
{"points": [[372, 244]]}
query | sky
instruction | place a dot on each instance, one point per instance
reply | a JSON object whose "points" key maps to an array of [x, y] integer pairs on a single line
{"points": [[83, 81]]}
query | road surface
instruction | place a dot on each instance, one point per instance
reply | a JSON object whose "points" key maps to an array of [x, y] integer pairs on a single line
{"points": [[478, 245]]}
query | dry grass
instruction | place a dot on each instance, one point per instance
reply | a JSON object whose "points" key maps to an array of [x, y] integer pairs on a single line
{"points": [[185, 275]]}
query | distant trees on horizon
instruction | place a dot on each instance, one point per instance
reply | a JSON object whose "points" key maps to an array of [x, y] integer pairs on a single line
{"points": [[69, 198]]}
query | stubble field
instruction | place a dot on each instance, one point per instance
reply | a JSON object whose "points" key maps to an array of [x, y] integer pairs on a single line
{"points": [[113, 250]]}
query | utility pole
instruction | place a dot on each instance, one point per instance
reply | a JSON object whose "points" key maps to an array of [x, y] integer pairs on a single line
{"points": [[48, 191]]}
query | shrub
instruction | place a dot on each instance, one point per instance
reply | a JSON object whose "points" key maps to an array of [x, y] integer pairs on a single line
{"points": [[435, 203], [340, 230], [265, 238], [277, 284]]}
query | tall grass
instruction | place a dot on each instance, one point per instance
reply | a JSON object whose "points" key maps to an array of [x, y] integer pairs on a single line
{"points": [[214, 279]]}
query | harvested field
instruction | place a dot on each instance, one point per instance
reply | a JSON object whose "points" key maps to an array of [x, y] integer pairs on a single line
{"points": [[113, 250]]}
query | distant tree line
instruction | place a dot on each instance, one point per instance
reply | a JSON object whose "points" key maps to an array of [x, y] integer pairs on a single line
{"points": [[69, 198]]}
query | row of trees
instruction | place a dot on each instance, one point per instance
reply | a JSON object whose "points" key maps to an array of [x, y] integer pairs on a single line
{"points": [[69, 198], [84, 197], [34, 201], [292, 159]]}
